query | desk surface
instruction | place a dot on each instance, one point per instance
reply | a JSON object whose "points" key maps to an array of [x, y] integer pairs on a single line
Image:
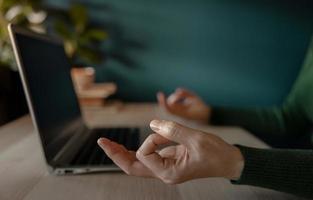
{"points": [[23, 174]]}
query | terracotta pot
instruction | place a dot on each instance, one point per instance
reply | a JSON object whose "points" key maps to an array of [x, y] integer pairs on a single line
{"points": [[83, 78]]}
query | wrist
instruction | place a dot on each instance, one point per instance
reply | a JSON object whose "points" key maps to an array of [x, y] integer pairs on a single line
{"points": [[237, 165]]}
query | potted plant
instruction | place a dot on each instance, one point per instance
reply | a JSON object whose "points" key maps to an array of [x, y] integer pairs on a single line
{"points": [[24, 13], [81, 43]]}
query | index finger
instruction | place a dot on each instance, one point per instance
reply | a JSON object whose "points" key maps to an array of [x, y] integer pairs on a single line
{"points": [[123, 158]]}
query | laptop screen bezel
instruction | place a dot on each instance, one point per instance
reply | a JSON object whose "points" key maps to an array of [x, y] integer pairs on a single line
{"points": [[13, 30]]}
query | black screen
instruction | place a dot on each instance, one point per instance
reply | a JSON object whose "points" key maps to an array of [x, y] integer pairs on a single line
{"points": [[47, 73]]}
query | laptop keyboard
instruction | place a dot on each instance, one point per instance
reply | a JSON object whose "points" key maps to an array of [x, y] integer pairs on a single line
{"points": [[92, 154]]}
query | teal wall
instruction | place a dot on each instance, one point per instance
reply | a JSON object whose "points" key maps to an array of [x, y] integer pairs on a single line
{"points": [[231, 52]]}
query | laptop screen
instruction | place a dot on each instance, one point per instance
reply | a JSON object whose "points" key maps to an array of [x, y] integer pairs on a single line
{"points": [[47, 74]]}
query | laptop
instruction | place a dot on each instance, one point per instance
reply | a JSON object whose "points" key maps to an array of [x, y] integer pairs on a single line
{"points": [[69, 146]]}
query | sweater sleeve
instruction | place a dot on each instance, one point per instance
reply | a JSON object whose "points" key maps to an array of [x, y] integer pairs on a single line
{"points": [[275, 125], [288, 171]]}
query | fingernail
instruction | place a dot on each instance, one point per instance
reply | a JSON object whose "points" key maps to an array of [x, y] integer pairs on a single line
{"points": [[103, 141], [154, 124]]}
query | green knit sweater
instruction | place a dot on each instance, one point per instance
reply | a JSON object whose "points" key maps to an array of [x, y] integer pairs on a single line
{"points": [[289, 125]]}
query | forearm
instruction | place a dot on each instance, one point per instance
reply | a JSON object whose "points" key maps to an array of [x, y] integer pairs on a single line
{"points": [[288, 171], [274, 124]]}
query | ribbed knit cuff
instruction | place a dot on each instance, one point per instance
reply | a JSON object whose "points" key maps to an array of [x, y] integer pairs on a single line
{"points": [[279, 169]]}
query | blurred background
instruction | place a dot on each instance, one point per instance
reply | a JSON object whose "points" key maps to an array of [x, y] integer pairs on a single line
{"points": [[230, 52]]}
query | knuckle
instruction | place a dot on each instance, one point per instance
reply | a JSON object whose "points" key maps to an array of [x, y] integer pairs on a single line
{"points": [[172, 128], [171, 125], [200, 143], [150, 138], [138, 154]]}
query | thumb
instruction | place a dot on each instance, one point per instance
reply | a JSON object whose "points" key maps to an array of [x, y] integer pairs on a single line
{"points": [[162, 100], [173, 131]]}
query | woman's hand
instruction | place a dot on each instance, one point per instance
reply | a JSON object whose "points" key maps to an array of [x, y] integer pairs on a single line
{"points": [[185, 104], [196, 155]]}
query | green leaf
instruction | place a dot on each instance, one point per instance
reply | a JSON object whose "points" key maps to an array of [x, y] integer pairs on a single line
{"points": [[83, 40], [7, 4], [89, 55], [62, 30], [78, 15], [96, 34], [70, 48]]}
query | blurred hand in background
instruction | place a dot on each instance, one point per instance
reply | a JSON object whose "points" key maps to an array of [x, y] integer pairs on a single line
{"points": [[185, 104]]}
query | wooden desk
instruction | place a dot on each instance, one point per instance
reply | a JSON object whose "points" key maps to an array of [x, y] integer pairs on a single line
{"points": [[23, 174]]}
